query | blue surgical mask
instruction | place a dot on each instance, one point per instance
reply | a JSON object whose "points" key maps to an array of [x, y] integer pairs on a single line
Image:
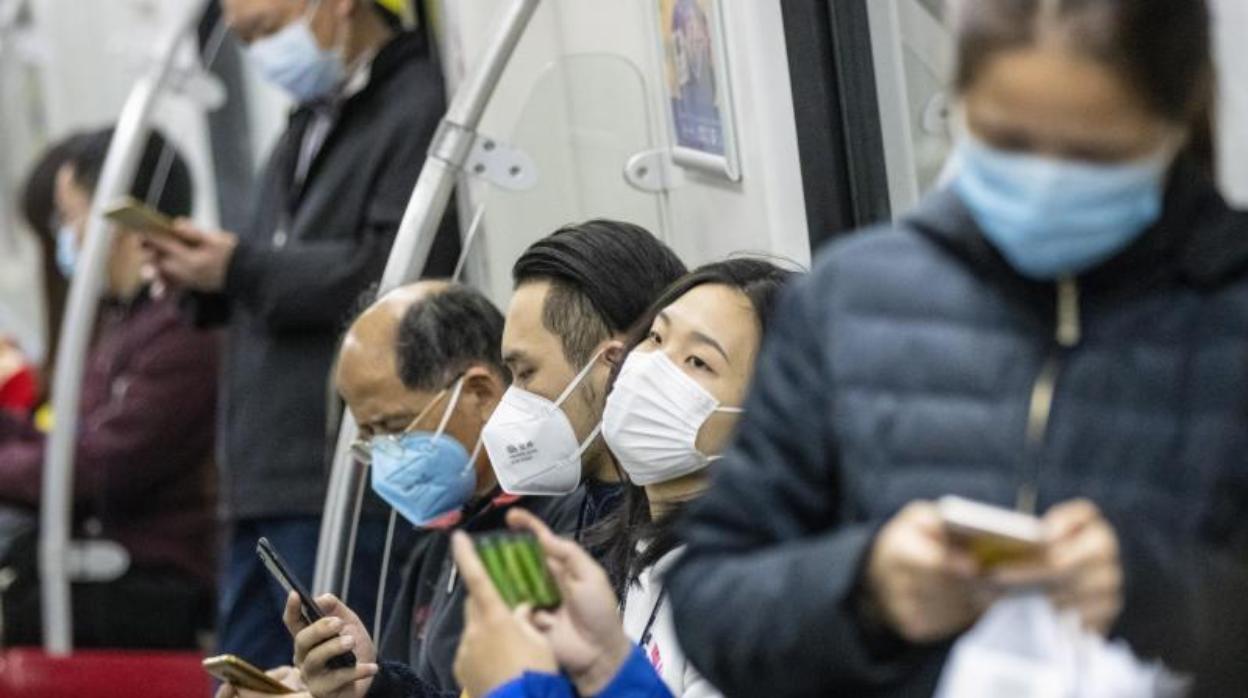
{"points": [[66, 250], [292, 59], [1051, 218], [423, 475]]}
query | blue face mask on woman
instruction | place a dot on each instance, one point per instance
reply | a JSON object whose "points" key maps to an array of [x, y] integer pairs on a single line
{"points": [[292, 59], [66, 250], [424, 475], [1051, 218]]}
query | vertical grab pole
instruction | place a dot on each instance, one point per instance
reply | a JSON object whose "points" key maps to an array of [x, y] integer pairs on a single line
{"points": [[56, 498], [447, 155]]}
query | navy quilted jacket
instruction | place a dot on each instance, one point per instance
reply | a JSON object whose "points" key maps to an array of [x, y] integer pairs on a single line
{"points": [[913, 363]]}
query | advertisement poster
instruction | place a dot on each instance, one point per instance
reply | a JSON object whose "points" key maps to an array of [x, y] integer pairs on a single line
{"points": [[699, 99]]}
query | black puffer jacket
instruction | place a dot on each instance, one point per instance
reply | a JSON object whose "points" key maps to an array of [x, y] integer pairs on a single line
{"points": [[905, 367]]}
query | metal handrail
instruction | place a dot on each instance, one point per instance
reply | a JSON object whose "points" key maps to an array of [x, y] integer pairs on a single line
{"points": [[56, 499], [445, 161]]}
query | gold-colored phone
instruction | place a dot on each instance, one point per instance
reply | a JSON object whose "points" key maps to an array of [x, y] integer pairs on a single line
{"points": [[240, 673], [131, 213], [993, 535]]}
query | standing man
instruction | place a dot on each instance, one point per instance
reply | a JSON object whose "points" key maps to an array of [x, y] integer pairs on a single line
{"points": [[369, 97]]}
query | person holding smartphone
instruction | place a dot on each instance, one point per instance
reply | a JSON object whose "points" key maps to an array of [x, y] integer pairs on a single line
{"points": [[368, 96], [1060, 330], [143, 451]]}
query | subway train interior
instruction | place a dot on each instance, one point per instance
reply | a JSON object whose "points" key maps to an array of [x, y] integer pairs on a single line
{"points": [[687, 348]]}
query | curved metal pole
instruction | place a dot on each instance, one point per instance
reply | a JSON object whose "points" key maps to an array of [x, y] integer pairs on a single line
{"points": [[124, 153], [420, 223]]}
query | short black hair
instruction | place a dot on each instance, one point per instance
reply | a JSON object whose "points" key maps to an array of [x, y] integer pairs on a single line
{"points": [[447, 332], [176, 198], [603, 276]]}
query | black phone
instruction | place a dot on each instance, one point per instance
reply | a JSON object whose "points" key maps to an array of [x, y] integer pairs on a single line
{"points": [[309, 610]]}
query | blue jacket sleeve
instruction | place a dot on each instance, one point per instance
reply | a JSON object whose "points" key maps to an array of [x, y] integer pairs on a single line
{"points": [[535, 685], [765, 598], [636, 679]]}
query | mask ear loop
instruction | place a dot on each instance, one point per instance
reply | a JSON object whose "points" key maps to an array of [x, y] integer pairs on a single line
{"points": [[567, 392], [389, 545], [721, 410]]}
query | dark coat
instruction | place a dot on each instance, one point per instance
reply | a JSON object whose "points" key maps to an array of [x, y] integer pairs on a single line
{"points": [[903, 369], [143, 457], [299, 270]]}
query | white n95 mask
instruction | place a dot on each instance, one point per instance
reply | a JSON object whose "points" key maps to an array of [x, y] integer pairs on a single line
{"points": [[652, 418], [531, 443]]}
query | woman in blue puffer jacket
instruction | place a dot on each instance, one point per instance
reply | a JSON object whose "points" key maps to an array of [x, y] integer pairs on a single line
{"points": [[1063, 329]]}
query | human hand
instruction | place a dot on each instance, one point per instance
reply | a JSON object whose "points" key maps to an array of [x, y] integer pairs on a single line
{"points": [[498, 644], [338, 632], [585, 631], [195, 258], [1080, 567], [288, 676], [924, 586]]}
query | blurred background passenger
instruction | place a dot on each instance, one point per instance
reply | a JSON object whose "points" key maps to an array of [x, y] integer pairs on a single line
{"points": [[24, 380], [143, 468], [1060, 330], [368, 98]]}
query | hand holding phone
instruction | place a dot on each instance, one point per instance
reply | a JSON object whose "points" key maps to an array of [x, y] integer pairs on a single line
{"points": [[307, 609], [242, 674]]}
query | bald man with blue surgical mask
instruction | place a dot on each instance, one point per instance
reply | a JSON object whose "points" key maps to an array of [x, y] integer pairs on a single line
{"points": [[367, 99]]}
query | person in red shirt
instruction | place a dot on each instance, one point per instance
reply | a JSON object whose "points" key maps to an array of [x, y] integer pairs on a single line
{"points": [[142, 464]]}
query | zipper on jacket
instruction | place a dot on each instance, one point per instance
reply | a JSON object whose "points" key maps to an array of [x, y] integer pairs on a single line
{"points": [[1067, 333]]}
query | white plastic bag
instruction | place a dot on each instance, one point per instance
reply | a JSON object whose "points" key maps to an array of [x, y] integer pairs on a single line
{"points": [[1024, 648]]}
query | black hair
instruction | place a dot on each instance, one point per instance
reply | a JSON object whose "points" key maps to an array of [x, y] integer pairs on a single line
{"points": [[1161, 47], [38, 208], [177, 195], [620, 534], [603, 275], [445, 333]]}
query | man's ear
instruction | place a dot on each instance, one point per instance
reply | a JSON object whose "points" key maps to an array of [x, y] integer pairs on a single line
{"points": [[613, 353], [482, 391]]}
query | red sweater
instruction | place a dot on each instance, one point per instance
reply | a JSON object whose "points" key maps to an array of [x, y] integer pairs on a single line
{"points": [[143, 471]]}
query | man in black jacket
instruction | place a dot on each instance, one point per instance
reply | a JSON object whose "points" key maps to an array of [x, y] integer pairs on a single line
{"points": [[328, 204]]}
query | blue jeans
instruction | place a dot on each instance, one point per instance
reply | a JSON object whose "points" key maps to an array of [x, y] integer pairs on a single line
{"points": [[250, 601]]}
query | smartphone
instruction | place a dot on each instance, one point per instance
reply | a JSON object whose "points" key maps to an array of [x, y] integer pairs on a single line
{"points": [[309, 610], [240, 673], [994, 535], [131, 213], [517, 566]]}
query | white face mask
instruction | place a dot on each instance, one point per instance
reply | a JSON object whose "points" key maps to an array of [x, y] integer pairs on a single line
{"points": [[652, 419], [531, 443], [292, 59]]}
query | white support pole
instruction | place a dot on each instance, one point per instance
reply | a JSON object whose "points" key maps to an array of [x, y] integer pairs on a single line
{"points": [[124, 152], [425, 208]]}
